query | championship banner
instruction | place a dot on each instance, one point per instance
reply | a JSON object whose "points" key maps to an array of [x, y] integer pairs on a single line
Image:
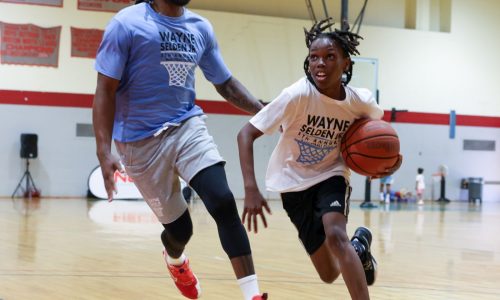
{"points": [[37, 2], [104, 5], [28, 44], [84, 42]]}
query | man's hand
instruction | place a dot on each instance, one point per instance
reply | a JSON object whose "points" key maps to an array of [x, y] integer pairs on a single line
{"points": [[109, 164], [254, 201], [103, 114]]}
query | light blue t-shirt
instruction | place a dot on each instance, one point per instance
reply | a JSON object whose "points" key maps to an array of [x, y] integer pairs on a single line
{"points": [[154, 57]]}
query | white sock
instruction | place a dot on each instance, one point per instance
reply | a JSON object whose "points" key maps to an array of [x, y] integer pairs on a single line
{"points": [[176, 261], [381, 196], [249, 286]]}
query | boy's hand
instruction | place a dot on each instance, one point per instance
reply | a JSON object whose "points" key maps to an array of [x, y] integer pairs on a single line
{"points": [[390, 170], [254, 201]]}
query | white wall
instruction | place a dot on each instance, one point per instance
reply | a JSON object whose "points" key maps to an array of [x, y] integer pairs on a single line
{"points": [[419, 70], [64, 160], [425, 146]]}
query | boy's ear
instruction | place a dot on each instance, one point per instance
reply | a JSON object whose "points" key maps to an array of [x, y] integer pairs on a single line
{"points": [[348, 64]]}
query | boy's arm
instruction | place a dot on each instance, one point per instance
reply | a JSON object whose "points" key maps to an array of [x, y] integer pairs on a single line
{"points": [[254, 201]]}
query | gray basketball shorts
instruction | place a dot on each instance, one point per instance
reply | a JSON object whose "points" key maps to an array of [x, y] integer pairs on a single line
{"points": [[155, 164]]}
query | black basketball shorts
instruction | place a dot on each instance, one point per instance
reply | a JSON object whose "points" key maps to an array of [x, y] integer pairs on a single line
{"points": [[306, 209]]}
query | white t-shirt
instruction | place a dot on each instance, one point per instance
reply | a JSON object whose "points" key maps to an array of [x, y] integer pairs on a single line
{"points": [[313, 125], [420, 182]]}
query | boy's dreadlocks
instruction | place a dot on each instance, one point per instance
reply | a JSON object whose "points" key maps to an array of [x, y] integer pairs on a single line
{"points": [[347, 40]]}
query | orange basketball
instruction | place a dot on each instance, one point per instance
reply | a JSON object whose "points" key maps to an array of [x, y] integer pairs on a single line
{"points": [[369, 147]]}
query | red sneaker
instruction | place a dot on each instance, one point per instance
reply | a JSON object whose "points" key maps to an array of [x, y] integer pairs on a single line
{"points": [[260, 297], [184, 279]]}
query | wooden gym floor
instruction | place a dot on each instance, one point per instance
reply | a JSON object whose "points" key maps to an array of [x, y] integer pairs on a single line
{"points": [[88, 249]]}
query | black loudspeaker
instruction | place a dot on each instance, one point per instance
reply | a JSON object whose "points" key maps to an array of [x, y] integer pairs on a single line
{"points": [[29, 145]]}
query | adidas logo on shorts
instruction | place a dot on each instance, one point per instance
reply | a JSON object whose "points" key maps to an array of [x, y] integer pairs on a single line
{"points": [[335, 204]]}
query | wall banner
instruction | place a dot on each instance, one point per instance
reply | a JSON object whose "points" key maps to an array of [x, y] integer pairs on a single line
{"points": [[58, 3], [28, 44], [104, 5], [85, 42]]}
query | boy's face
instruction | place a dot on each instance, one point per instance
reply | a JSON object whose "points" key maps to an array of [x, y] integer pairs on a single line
{"points": [[327, 63]]}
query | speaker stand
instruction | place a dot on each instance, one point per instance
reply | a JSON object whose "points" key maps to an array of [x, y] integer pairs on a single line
{"points": [[30, 187], [442, 197], [368, 187]]}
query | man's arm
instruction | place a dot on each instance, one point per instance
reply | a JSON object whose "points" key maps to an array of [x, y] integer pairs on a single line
{"points": [[234, 92], [103, 113]]}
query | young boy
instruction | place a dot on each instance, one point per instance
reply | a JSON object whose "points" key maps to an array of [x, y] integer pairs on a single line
{"points": [[420, 186], [306, 167], [386, 182]]}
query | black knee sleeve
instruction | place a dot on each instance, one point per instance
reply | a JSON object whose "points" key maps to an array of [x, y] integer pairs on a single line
{"points": [[176, 235], [211, 185]]}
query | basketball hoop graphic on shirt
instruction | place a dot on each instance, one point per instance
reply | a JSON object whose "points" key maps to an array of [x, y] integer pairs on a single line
{"points": [[178, 65], [311, 154]]}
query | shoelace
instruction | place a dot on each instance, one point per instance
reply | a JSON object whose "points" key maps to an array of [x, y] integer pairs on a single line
{"points": [[181, 275], [360, 249], [367, 264]]}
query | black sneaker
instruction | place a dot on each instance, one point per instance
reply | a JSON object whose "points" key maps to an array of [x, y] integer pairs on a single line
{"points": [[361, 241]]}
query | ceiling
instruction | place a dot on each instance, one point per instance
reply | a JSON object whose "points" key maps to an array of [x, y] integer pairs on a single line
{"points": [[389, 13]]}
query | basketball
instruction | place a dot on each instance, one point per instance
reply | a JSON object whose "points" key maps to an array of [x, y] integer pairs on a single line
{"points": [[369, 147]]}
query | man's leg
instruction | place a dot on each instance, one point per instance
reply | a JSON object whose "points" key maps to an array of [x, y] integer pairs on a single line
{"points": [[211, 185], [159, 185], [174, 237]]}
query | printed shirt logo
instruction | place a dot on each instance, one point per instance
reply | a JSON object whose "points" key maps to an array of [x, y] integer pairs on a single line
{"points": [[320, 136], [178, 56]]}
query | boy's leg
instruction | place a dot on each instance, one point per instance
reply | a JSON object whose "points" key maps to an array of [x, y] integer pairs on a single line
{"points": [[388, 193], [326, 264], [381, 191], [300, 208], [333, 210], [322, 210], [420, 196], [211, 185], [348, 260], [361, 241]]}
